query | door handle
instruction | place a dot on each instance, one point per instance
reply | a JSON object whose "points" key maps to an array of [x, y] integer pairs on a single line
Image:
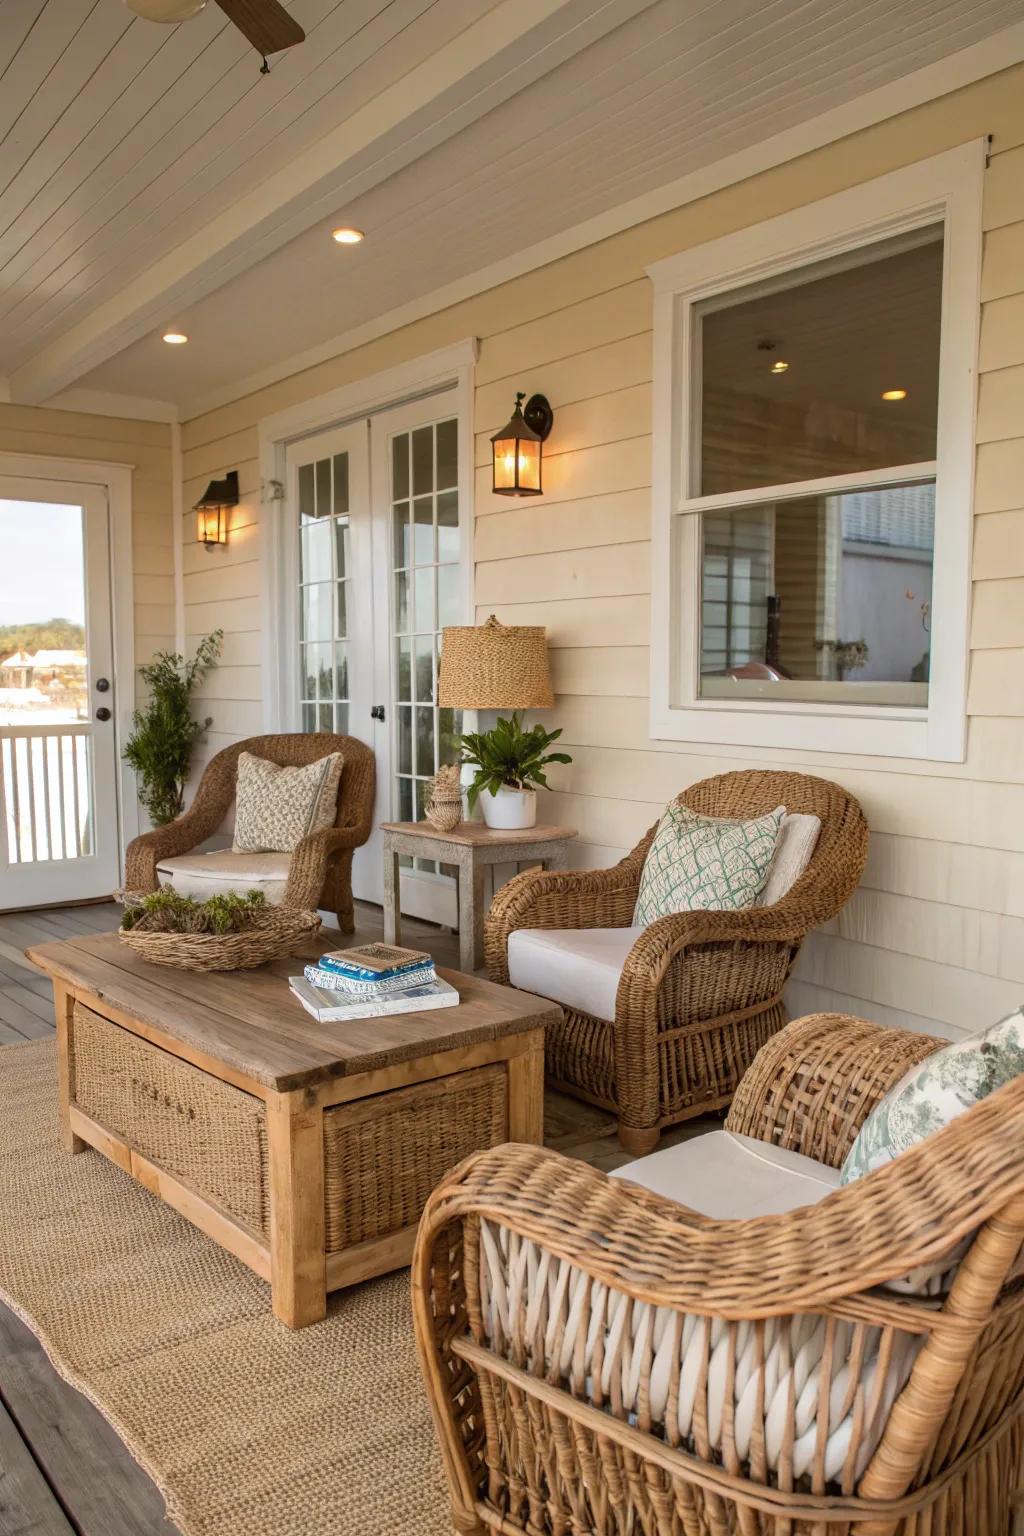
{"points": [[102, 684], [377, 712], [103, 713]]}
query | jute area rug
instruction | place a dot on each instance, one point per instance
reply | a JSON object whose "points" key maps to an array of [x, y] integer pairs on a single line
{"points": [[245, 1427]]}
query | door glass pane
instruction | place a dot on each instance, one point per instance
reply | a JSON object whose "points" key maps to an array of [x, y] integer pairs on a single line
{"points": [[834, 373], [324, 575], [426, 553], [46, 749]]}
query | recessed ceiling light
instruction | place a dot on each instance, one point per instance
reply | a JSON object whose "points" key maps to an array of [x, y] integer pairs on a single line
{"points": [[175, 338], [779, 367], [894, 394], [347, 236]]}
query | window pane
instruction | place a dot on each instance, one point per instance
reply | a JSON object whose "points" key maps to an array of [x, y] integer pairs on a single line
{"points": [[423, 530], [342, 610], [325, 717], [310, 663], [424, 741], [820, 597], [449, 728], [341, 719], [400, 516], [315, 552], [403, 736], [341, 546], [405, 799], [448, 526], [403, 669], [401, 602], [341, 671], [323, 488], [307, 505], [425, 619], [399, 468], [340, 483], [425, 670], [447, 454], [309, 717], [422, 461], [316, 611], [846, 337]]}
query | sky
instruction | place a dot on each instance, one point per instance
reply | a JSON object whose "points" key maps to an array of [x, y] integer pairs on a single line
{"points": [[41, 562]]}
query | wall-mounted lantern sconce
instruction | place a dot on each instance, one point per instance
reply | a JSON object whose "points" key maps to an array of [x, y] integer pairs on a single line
{"points": [[518, 448], [212, 510]]}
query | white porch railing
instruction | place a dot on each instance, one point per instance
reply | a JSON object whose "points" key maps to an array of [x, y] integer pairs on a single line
{"points": [[46, 792]]}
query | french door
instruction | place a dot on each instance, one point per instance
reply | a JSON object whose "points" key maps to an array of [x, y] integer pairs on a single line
{"points": [[377, 570], [58, 752]]}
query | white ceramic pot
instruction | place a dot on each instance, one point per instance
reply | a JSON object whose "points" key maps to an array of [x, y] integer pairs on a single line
{"points": [[510, 809]]}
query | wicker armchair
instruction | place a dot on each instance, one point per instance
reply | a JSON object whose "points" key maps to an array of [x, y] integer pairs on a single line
{"points": [[319, 870], [600, 1390], [699, 992]]}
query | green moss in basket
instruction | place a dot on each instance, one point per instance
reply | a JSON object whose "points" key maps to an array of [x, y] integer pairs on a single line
{"points": [[167, 911]]}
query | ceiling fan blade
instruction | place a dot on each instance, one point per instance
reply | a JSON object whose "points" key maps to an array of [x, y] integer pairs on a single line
{"points": [[265, 23]]}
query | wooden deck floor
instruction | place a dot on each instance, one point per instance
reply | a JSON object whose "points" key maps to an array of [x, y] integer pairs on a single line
{"points": [[63, 1471]]}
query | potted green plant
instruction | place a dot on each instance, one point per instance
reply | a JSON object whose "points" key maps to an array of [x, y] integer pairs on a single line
{"points": [[165, 732], [509, 763]]}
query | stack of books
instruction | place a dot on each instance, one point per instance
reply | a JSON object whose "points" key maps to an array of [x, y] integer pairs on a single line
{"points": [[369, 982]]}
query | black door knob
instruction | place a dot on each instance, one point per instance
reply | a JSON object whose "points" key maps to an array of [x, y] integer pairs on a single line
{"points": [[103, 713], [102, 684], [377, 712]]}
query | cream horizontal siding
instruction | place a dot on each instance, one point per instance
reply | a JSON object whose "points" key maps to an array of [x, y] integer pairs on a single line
{"points": [[933, 938]]}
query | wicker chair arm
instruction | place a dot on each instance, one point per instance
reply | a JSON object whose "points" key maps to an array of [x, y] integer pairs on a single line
{"points": [[144, 853], [910, 1213], [664, 939], [812, 1086], [575, 898], [307, 866]]}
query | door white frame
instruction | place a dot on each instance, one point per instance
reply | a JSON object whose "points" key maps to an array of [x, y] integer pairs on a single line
{"points": [[450, 368], [449, 371], [116, 479]]}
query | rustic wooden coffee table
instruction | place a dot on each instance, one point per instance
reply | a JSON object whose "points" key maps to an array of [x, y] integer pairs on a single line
{"points": [[305, 1149]]}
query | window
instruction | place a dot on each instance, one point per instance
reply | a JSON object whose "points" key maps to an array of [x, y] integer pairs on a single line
{"points": [[813, 469], [324, 576]]}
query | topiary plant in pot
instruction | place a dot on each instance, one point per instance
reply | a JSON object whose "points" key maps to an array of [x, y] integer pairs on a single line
{"points": [[165, 732], [509, 763]]}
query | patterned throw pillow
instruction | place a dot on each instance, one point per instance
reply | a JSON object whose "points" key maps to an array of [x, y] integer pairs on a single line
{"points": [[934, 1092], [276, 807], [703, 864]]}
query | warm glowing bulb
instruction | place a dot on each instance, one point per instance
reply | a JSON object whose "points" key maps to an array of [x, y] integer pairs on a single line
{"points": [[347, 236], [175, 338], [779, 367], [894, 394]]}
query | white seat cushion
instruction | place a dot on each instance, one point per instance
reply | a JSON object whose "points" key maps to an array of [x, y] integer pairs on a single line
{"points": [[732, 1177], [578, 967], [215, 874]]}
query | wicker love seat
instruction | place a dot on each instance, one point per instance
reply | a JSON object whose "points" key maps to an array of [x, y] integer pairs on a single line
{"points": [[316, 874], [694, 995], [601, 1359]]}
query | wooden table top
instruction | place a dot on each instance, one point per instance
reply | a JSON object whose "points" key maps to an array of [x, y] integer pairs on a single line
{"points": [[249, 1020], [472, 834]]}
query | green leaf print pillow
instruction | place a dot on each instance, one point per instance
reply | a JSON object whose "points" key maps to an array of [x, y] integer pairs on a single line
{"points": [[934, 1092], [705, 863]]}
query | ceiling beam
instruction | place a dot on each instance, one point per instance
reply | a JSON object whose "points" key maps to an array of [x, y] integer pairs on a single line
{"points": [[513, 44]]}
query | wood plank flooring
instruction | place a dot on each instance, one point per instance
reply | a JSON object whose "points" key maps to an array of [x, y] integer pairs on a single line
{"points": [[63, 1470]]}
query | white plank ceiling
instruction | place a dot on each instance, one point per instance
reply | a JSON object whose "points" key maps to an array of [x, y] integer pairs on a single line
{"points": [[150, 176]]}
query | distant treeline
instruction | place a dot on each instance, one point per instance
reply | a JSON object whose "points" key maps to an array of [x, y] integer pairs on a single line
{"points": [[47, 635]]}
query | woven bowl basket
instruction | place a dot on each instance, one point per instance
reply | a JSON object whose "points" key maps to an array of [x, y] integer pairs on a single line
{"points": [[273, 934]]}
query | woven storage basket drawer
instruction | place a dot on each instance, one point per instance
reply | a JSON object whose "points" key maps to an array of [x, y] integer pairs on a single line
{"points": [[200, 1129], [384, 1155]]}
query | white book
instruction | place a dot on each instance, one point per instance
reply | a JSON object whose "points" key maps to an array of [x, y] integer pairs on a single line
{"points": [[330, 1007]]}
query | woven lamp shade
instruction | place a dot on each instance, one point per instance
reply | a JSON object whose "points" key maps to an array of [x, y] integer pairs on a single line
{"points": [[495, 666]]}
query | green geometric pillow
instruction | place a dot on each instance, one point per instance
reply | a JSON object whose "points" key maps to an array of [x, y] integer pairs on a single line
{"points": [[934, 1092], [705, 864]]}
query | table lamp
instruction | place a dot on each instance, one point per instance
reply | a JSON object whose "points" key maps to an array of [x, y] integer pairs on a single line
{"points": [[494, 666]]}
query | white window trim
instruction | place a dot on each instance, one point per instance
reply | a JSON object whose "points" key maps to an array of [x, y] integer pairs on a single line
{"points": [[116, 479], [448, 369], [946, 189]]}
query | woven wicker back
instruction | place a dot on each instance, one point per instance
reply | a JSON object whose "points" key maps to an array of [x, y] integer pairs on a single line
{"points": [[296, 749], [838, 863]]}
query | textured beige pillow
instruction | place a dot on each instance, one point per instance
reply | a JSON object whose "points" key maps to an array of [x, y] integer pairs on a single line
{"points": [[798, 838], [276, 807]]}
